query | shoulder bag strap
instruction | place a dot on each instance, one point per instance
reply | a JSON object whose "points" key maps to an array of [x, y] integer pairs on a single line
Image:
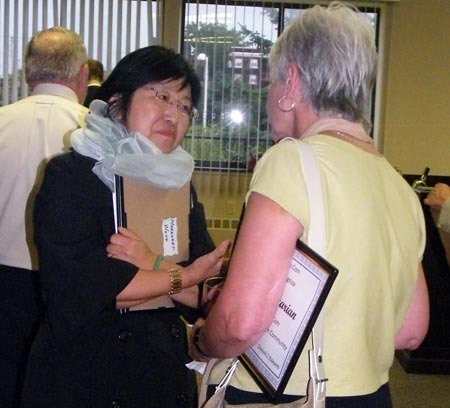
{"points": [[317, 241]]}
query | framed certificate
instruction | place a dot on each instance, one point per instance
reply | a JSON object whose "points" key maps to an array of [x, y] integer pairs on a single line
{"points": [[272, 359]]}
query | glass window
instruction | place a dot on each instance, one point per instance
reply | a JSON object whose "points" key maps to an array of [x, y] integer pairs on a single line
{"points": [[234, 40], [253, 79], [254, 63]]}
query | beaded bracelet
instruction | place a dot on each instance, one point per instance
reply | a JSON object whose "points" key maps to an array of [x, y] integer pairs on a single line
{"points": [[158, 260]]}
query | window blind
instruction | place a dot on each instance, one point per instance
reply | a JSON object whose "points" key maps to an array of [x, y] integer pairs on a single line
{"points": [[109, 28]]}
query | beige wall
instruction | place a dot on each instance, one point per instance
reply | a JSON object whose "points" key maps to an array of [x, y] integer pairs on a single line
{"points": [[414, 129], [416, 126]]}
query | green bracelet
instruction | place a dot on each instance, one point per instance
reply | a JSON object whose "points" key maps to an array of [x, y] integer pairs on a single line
{"points": [[158, 260]]}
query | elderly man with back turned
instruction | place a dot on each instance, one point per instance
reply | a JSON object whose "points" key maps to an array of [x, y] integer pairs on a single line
{"points": [[31, 131]]}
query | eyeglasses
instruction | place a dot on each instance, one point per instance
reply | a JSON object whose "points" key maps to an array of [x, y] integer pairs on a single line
{"points": [[185, 110]]}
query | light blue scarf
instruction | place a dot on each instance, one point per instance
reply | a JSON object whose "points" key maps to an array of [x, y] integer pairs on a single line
{"points": [[128, 154]]}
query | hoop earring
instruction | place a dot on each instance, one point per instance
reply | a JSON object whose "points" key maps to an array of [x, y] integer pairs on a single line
{"points": [[284, 109]]}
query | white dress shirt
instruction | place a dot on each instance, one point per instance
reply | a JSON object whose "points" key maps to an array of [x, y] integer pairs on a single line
{"points": [[32, 130]]}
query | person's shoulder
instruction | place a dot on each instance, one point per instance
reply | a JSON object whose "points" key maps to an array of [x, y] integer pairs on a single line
{"points": [[70, 162], [73, 172], [70, 112], [16, 106], [80, 112], [60, 96], [69, 104], [25, 106], [8, 113], [279, 160], [285, 150]]}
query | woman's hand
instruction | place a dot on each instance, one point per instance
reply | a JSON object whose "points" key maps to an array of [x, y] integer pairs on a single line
{"points": [[194, 342], [439, 194], [127, 246], [208, 265]]}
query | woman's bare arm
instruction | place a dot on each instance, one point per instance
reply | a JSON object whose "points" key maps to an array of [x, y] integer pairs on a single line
{"points": [[255, 280], [149, 283], [415, 325]]}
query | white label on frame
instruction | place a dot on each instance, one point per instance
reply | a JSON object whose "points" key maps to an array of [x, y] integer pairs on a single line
{"points": [[170, 236]]}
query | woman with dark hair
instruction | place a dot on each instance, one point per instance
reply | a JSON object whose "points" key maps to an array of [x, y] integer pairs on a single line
{"points": [[112, 334]]}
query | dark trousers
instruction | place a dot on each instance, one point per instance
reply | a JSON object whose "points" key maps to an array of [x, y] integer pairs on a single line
{"points": [[19, 311]]}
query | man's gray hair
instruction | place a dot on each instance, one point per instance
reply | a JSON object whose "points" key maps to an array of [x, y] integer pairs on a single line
{"points": [[335, 53], [54, 54]]}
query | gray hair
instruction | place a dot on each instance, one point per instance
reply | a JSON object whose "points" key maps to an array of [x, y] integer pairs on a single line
{"points": [[335, 53], [54, 54]]}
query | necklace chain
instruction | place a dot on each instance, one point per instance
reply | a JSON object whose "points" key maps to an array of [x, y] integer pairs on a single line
{"points": [[345, 135], [348, 138]]}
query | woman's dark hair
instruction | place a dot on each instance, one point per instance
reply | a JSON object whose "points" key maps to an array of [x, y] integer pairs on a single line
{"points": [[140, 67]]}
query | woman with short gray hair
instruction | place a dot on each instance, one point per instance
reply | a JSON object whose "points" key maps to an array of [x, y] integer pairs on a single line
{"points": [[323, 68]]}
